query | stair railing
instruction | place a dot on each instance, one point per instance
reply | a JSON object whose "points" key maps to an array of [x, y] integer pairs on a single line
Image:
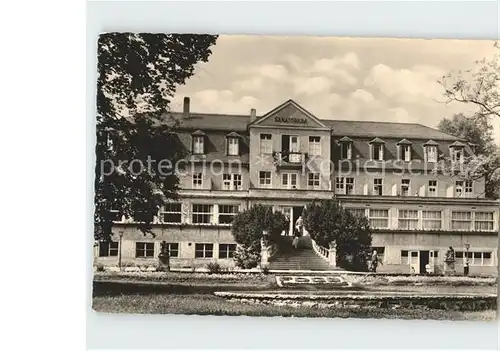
{"points": [[322, 252]]}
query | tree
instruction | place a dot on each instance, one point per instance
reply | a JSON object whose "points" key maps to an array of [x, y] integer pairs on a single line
{"points": [[136, 149], [247, 229], [475, 131], [328, 222], [478, 87], [486, 161]]}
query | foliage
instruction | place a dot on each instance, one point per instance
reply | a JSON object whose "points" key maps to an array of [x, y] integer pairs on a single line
{"points": [[247, 257], [328, 223], [475, 131], [135, 147], [99, 267], [478, 87], [248, 226], [214, 268]]}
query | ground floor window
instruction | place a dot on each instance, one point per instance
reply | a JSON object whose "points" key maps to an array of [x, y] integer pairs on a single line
{"points": [[475, 258], [226, 250], [404, 257], [204, 251], [143, 249], [173, 249], [358, 212], [108, 248]]}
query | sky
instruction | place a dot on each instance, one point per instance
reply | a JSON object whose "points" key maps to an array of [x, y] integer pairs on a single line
{"points": [[333, 78]]}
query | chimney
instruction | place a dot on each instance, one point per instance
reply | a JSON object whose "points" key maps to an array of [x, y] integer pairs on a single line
{"points": [[186, 108], [253, 115]]}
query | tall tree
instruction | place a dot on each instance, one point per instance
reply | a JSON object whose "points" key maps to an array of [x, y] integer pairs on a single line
{"points": [[478, 87], [136, 149]]}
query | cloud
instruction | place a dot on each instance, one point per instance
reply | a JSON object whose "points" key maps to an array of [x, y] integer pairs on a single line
{"points": [[405, 84], [312, 85], [363, 95], [271, 71], [250, 84]]}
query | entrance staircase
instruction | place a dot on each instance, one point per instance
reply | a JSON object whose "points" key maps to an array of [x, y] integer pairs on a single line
{"points": [[303, 258]]}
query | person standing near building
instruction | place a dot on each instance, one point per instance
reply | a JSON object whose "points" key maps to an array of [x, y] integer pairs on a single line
{"points": [[299, 224], [374, 262], [449, 261], [466, 265]]}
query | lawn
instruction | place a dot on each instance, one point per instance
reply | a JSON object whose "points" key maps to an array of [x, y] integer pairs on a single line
{"points": [[205, 304]]}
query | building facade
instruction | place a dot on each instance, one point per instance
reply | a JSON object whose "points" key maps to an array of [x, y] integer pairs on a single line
{"points": [[287, 158]]}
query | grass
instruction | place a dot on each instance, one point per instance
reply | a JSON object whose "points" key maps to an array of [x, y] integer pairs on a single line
{"points": [[204, 304]]}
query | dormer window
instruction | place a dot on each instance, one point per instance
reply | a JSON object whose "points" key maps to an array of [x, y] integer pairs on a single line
{"points": [[198, 146], [233, 144], [404, 150], [457, 151], [377, 149], [346, 148], [430, 151]]}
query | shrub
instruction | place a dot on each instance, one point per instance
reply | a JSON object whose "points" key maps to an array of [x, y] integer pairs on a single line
{"points": [[214, 268], [99, 267], [246, 257], [265, 270]]}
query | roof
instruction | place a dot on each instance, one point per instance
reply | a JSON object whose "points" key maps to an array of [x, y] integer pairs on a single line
{"points": [[457, 143], [386, 129], [430, 143], [346, 140], [341, 128], [404, 142], [377, 141]]}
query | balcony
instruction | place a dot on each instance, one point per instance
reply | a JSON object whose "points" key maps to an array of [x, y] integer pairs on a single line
{"points": [[290, 160]]}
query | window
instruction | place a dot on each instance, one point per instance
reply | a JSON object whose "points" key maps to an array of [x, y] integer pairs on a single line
{"points": [[266, 144], [379, 218], [378, 186], [431, 220], [289, 180], [378, 152], [432, 188], [226, 250], [461, 220], [483, 221], [431, 153], [405, 152], [227, 213], [349, 185], [404, 257], [108, 248], [405, 187], [233, 146], [315, 145], [339, 185], [143, 249], [357, 212], [457, 154], [171, 213], [475, 258], [198, 147], [173, 249], [313, 180], [468, 188], [231, 181], [197, 180], [264, 178], [346, 150], [202, 214], [204, 250], [408, 219]]}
